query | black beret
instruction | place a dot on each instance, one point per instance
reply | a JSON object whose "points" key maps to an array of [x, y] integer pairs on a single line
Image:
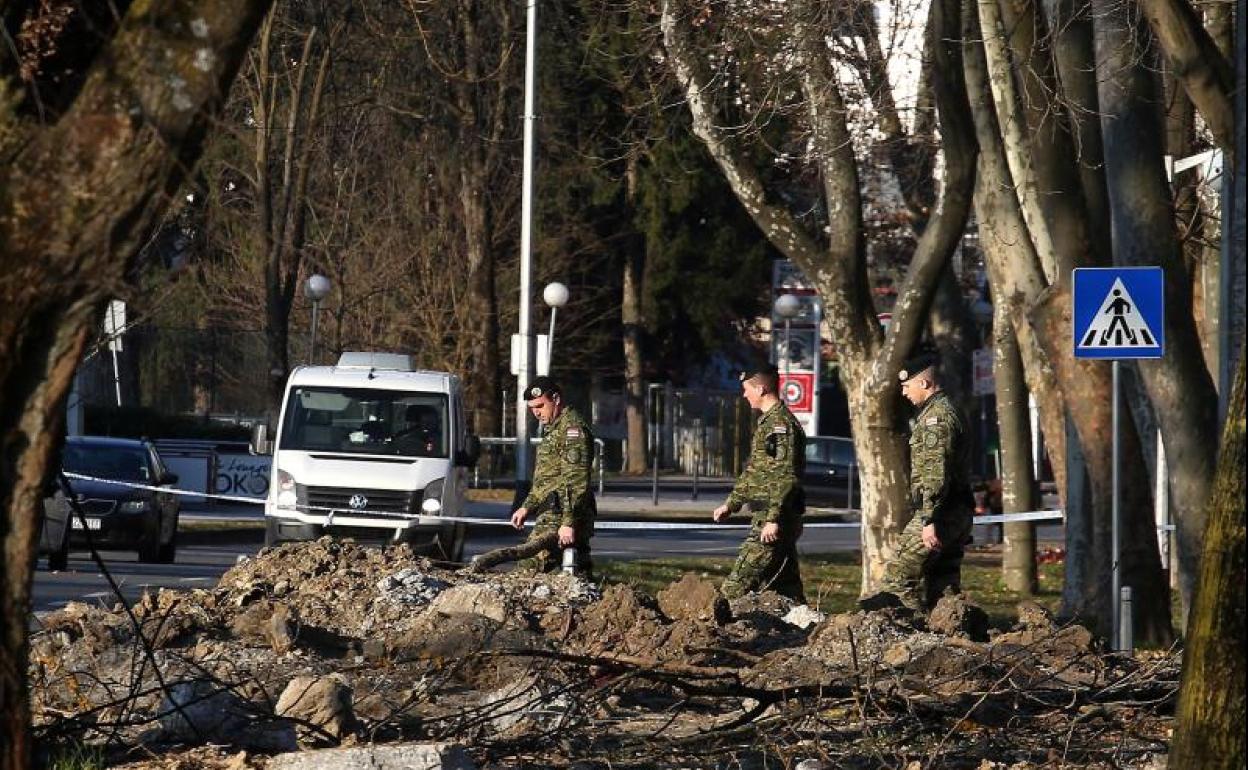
{"points": [[919, 362], [542, 386], [768, 369]]}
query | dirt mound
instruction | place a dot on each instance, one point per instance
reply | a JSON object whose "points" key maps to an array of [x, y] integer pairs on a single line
{"points": [[956, 616], [695, 599], [332, 642]]}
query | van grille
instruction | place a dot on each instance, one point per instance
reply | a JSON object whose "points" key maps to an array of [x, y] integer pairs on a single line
{"points": [[394, 501]]}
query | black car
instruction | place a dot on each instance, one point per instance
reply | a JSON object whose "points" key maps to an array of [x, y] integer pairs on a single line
{"points": [[830, 464], [54, 537], [116, 516]]}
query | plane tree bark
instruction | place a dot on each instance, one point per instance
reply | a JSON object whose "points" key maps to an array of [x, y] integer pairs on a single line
{"points": [[834, 259], [86, 171], [1020, 278], [1196, 60], [1179, 385]]}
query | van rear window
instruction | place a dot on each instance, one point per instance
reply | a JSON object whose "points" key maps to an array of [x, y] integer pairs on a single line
{"points": [[366, 421]]}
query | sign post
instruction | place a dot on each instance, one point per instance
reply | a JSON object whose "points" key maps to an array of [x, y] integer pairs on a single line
{"points": [[1119, 314]]}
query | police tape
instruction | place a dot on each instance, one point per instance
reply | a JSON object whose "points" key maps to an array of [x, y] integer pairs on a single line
{"points": [[405, 516]]}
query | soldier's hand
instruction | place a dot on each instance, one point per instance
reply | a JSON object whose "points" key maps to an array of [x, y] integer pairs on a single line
{"points": [[567, 536], [770, 533], [930, 538], [721, 513], [517, 518]]}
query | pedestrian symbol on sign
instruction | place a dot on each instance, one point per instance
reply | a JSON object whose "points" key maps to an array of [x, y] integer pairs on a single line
{"points": [[1118, 323]]}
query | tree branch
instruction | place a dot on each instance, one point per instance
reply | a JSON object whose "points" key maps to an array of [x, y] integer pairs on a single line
{"points": [[1205, 73]]}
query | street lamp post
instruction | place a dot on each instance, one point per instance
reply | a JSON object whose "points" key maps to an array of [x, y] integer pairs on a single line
{"points": [[788, 307], [316, 288], [526, 248], [556, 296]]}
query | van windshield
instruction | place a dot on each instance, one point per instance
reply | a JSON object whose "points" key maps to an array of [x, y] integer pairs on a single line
{"points": [[365, 421]]}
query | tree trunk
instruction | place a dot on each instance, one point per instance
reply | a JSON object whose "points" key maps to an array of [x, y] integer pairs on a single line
{"points": [[1194, 56], [1209, 730], [124, 143], [484, 386], [1085, 388], [1075, 61], [1179, 386], [1018, 483], [878, 443], [630, 317], [634, 387]]}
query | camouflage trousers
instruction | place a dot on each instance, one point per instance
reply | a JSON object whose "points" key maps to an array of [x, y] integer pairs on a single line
{"points": [[919, 576], [551, 559], [767, 566]]}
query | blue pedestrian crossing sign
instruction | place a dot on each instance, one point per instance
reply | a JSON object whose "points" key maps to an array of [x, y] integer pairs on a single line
{"points": [[1119, 312]]}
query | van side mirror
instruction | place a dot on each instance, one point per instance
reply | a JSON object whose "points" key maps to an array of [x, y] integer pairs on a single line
{"points": [[468, 455], [260, 443]]}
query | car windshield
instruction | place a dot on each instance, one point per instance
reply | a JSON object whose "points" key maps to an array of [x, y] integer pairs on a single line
{"points": [[106, 462], [836, 451], [366, 421]]}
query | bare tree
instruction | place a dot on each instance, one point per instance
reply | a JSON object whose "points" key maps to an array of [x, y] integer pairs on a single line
{"points": [[115, 132], [833, 255]]}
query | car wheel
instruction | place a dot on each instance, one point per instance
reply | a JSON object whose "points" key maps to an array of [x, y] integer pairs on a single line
{"points": [[149, 546], [58, 560], [453, 550], [169, 549]]}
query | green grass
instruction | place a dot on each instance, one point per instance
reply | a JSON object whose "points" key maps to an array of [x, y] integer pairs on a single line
{"points": [[74, 756], [832, 581]]}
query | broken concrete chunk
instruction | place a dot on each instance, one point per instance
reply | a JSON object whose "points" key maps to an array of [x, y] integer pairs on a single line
{"points": [[202, 711], [322, 704], [472, 599], [409, 756], [804, 616]]}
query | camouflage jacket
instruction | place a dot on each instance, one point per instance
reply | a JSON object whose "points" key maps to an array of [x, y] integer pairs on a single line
{"points": [[940, 462], [563, 466], [772, 481]]}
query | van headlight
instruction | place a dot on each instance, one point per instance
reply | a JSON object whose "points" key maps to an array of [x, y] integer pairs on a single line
{"points": [[431, 502], [287, 497]]}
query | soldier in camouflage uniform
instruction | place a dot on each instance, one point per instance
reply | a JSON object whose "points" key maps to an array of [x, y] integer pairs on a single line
{"points": [[928, 561], [561, 492], [772, 486]]}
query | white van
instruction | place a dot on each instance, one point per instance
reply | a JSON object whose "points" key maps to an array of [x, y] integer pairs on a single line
{"points": [[370, 448]]}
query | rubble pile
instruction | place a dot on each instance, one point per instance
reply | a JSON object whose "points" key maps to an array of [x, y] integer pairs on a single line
{"points": [[330, 645]]}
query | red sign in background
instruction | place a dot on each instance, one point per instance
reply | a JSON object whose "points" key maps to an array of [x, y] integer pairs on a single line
{"points": [[797, 390]]}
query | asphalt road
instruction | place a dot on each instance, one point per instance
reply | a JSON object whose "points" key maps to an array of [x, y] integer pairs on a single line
{"points": [[200, 566]]}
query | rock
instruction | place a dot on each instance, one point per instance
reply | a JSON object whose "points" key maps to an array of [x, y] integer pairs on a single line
{"points": [[411, 586], [523, 699], [201, 711], [273, 623], [809, 764], [692, 598], [1034, 615], [410, 756], [472, 599], [804, 616], [322, 702], [953, 615]]}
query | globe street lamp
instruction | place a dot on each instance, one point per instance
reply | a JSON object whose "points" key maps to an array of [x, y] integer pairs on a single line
{"points": [[787, 306], [556, 296], [316, 288]]}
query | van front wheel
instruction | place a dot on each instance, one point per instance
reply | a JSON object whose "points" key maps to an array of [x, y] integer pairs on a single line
{"points": [[451, 547]]}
